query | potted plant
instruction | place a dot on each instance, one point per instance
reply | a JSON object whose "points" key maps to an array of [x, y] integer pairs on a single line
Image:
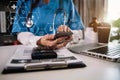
{"points": [[116, 25]]}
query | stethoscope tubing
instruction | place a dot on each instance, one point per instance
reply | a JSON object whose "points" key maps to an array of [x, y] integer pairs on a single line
{"points": [[30, 22]]}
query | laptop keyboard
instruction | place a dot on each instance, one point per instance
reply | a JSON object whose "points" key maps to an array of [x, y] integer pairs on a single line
{"points": [[109, 50]]}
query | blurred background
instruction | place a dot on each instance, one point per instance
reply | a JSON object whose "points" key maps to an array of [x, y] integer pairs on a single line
{"points": [[103, 10]]}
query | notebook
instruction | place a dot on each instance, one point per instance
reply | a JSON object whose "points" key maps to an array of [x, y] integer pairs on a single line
{"points": [[108, 51], [22, 61]]}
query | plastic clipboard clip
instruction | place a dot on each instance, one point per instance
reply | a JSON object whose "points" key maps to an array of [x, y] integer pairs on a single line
{"points": [[46, 65]]}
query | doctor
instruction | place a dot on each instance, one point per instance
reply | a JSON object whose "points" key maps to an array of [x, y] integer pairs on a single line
{"points": [[37, 21]]}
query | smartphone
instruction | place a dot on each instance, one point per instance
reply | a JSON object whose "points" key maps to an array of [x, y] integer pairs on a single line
{"points": [[63, 34]]}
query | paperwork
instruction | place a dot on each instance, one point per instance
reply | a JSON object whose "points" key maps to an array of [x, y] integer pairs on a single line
{"points": [[21, 61]]}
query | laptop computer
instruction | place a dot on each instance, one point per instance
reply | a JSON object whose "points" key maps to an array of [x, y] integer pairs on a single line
{"points": [[109, 51]]}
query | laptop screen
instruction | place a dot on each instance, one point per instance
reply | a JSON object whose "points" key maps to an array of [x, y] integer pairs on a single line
{"points": [[114, 35]]}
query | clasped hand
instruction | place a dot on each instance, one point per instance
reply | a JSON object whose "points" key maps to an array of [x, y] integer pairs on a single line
{"points": [[49, 41]]}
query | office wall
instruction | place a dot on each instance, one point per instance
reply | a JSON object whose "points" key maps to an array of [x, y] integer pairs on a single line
{"points": [[91, 8]]}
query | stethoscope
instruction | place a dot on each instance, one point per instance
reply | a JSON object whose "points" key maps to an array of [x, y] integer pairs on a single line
{"points": [[29, 22]]}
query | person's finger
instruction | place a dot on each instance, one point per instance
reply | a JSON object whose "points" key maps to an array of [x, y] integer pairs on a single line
{"points": [[61, 39], [63, 28], [60, 28], [47, 40], [69, 38], [49, 37], [56, 42], [52, 43], [61, 45]]}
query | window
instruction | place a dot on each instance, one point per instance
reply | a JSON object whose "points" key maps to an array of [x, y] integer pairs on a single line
{"points": [[113, 10]]}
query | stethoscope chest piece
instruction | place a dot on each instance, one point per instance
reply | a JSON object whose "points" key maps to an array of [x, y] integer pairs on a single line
{"points": [[29, 23]]}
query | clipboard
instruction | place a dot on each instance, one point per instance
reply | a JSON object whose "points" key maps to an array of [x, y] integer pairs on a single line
{"points": [[64, 60]]}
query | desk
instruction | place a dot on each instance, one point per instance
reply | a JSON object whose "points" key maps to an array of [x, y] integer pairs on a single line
{"points": [[96, 69]]}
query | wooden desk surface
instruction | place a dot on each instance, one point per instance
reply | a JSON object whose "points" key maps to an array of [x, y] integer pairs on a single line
{"points": [[96, 69]]}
